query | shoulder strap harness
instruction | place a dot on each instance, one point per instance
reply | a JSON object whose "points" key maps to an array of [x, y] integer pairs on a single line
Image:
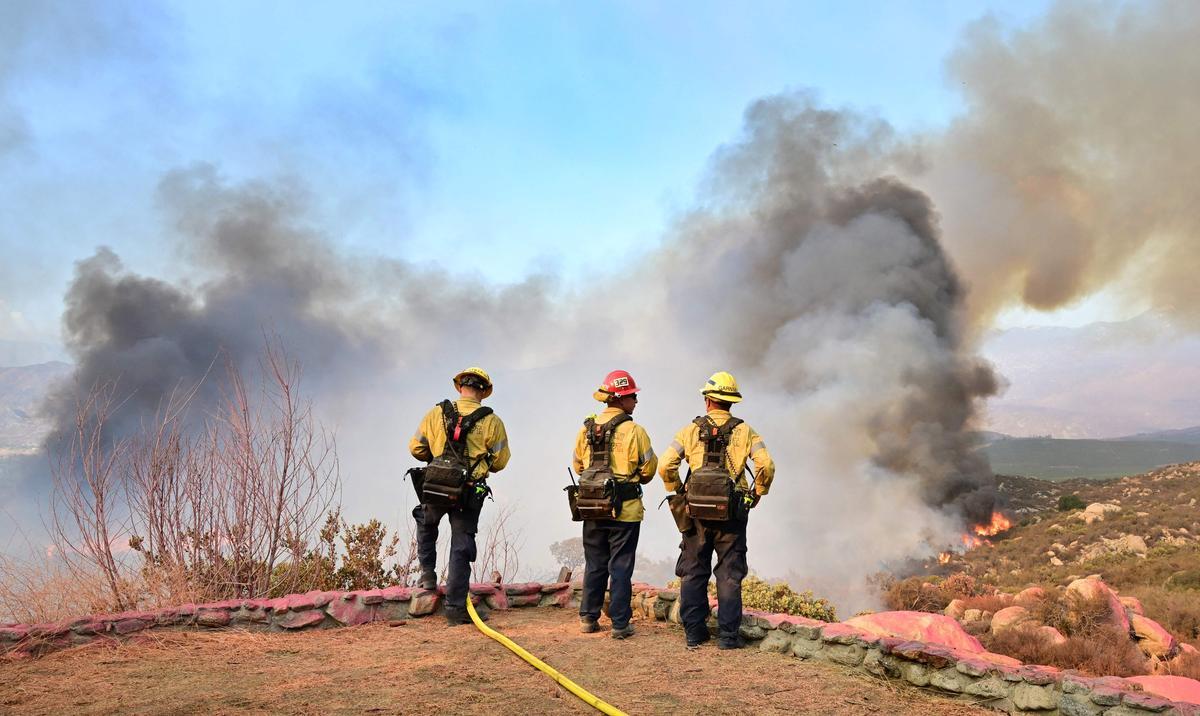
{"points": [[458, 427], [600, 435], [715, 438]]}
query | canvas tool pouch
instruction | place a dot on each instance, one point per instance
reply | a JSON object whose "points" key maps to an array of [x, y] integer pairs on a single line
{"points": [[679, 512], [598, 495], [573, 501], [447, 479], [417, 475], [710, 489]]}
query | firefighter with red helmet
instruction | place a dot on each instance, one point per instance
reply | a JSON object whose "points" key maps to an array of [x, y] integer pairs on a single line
{"points": [[614, 458]]}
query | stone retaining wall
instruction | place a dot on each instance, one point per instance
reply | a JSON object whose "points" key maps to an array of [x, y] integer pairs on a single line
{"points": [[980, 678], [973, 677]]}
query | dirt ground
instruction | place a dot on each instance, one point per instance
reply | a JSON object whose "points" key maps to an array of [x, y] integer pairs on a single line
{"points": [[426, 667]]}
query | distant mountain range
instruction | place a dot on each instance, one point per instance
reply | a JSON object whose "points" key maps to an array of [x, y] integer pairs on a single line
{"points": [[22, 390], [1063, 459]]}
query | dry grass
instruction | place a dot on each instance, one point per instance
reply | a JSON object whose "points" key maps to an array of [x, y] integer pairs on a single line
{"points": [[1104, 652], [932, 594], [1179, 612], [34, 593], [1094, 646], [425, 667], [1187, 665], [986, 603]]}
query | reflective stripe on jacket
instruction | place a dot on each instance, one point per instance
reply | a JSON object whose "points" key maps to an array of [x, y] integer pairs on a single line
{"points": [[633, 459], [744, 444], [488, 435]]}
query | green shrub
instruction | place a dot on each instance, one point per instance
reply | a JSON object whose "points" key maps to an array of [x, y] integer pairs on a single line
{"points": [[777, 598], [359, 562], [1067, 503], [780, 598]]}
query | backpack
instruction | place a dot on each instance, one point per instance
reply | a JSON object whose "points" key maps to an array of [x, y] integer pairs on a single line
{"points": [[709, 490], [448, 475], [599, 495]]}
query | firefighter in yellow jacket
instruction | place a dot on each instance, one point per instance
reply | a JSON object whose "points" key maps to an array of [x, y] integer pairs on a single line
{"points": [[462, 442], [716, 444], [614, 458]]}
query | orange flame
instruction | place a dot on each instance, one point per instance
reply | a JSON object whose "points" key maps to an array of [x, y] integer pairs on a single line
{"points": [[998, 524], [944, 557]]}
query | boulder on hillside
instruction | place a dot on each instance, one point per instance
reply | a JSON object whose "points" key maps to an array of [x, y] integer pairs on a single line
{"points": [[1133, 605], [1125, 544], [1091, 588], [1175, 688], [1029, 597], [1010, 618], [918, 626], [955, 609], [1096, 511], [1052, 636], [1152, 638]]}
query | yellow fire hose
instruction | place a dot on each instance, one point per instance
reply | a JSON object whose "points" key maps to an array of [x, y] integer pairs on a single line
{"points": [[601, 705]]}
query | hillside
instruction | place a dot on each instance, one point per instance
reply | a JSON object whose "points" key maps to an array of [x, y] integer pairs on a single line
{"points": [[22, 390], [1145, 543], [1182, 435], [425, 667]]}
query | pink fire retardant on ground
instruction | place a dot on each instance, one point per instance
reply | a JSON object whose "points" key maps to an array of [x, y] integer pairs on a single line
{"points": [[1175, 688], [918, 626]]}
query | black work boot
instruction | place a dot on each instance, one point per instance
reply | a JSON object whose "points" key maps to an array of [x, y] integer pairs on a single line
{"points": [[456, 616], [587, 625], [731, 642], [428, 579], [697, 637], [623, 633]]}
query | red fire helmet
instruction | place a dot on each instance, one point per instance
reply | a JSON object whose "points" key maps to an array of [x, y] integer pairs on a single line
{"points": [[617, 384]]}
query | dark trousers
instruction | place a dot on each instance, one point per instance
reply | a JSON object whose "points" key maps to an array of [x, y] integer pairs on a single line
{"points": [[464, 523], [728, 540], [609, 548]]}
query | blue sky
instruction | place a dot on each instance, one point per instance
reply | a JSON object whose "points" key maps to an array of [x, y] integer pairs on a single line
{"points": [[499, 138]]}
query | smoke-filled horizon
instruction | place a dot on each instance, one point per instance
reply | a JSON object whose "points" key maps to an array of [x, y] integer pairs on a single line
{"points": [[817, 262], [804, 268]]}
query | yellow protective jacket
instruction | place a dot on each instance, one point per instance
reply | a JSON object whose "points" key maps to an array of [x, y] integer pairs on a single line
{"points": [[488, 435], [744, 444], [633, 459]]}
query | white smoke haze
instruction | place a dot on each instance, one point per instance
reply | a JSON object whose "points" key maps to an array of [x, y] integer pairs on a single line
{"points": [[823, 287], [809, 266], [1077, 163]]}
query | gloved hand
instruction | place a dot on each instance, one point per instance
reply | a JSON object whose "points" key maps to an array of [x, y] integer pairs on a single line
{"points": [[751, 500]]}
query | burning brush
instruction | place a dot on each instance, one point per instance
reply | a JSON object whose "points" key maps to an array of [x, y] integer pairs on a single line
{"points": [[979, 534]]}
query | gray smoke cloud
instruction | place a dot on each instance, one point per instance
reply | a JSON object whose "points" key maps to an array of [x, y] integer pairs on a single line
{"points": [[257, 270], [812, 265], [804, 268], [821, 281], [1076, 165]]}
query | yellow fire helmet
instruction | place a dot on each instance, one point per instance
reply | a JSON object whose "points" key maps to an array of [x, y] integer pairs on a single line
{"points": [[474, 375], [723, 387]]}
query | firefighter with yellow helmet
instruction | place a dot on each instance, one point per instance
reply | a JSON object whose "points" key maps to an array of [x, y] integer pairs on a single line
{"points": [[614, 458], [719, 450], [462, 442]]}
